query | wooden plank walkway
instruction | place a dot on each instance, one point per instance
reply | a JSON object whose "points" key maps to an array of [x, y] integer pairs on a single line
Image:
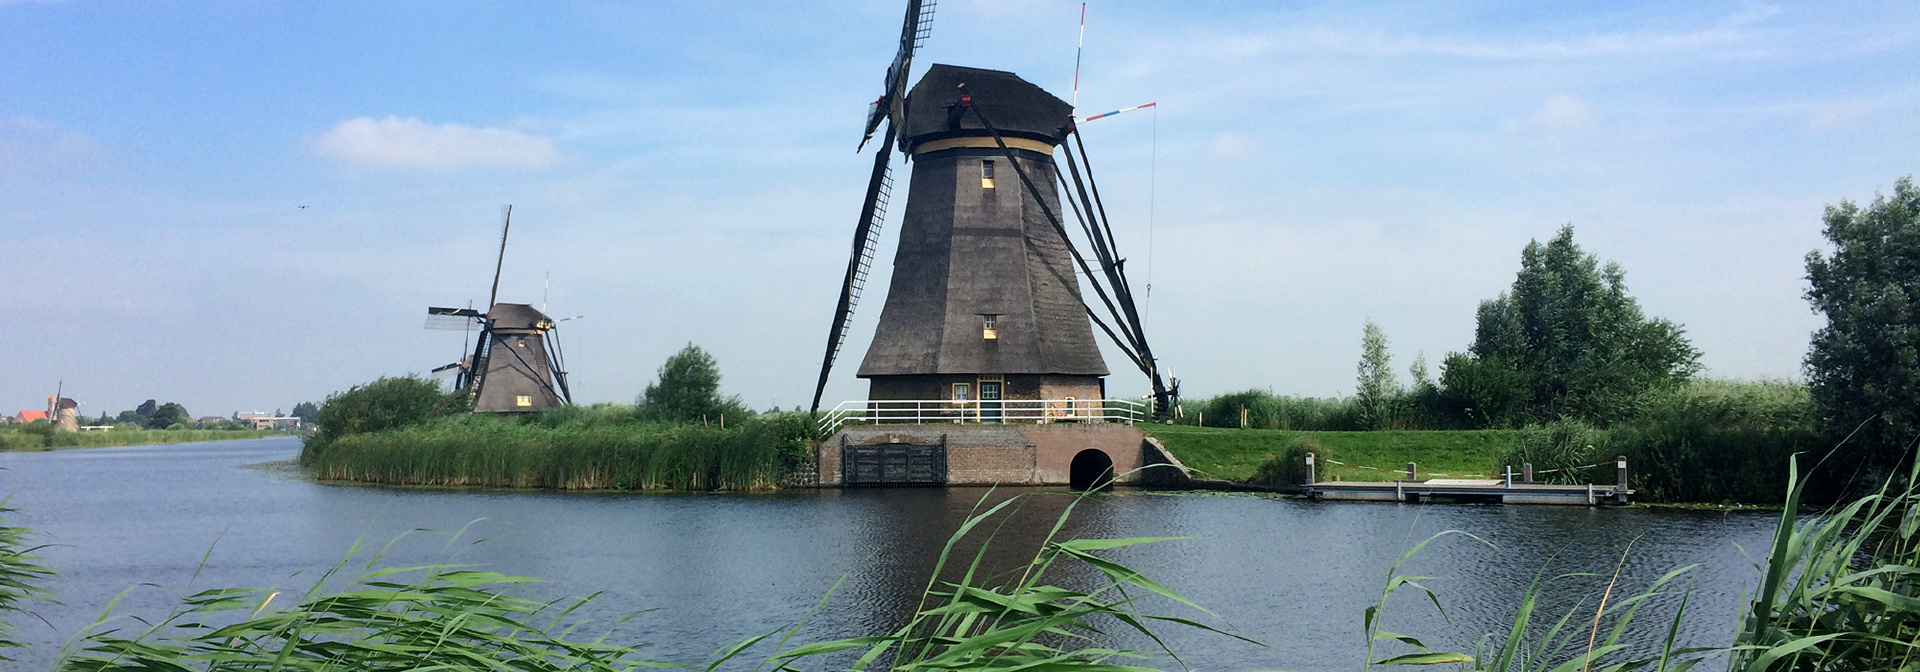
{"points": [[1470, 490]]}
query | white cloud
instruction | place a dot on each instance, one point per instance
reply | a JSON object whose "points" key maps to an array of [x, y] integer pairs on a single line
{"points": [[1562, 113], [410, 143], [33, 146]]}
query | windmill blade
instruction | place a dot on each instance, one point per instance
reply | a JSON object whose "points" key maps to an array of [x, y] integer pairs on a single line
{"points": [[451, 319], [443, 368], [506, 222], [866, 237], [891, 104]]}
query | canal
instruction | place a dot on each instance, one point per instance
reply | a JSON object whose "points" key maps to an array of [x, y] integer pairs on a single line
{"points": [[1292, 575]]}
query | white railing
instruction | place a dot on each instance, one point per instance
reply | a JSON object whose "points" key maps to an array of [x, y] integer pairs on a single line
{"points": [[1018, 411]]}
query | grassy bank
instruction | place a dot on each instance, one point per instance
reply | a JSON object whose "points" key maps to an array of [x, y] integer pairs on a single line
{"points": [[579, 449], [33, 441], [1234, 454]]}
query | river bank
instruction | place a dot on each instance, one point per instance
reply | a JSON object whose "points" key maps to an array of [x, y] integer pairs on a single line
{"points": [[23, 441]]}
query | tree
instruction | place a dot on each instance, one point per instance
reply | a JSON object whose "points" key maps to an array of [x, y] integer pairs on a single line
{"points": [[1863, 366], [145, 409], [688, 390], [1378, 389], [306, 411], [168, 415], [1570, 332]]}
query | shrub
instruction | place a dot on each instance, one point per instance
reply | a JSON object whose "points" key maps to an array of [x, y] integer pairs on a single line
{"points": [[1288, 468], [387, 403], [1556, 450], [1717, 441], [688, 390]]}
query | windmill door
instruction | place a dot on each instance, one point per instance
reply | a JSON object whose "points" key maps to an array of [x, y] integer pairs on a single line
{"points": [[893, 464], [989, 401]]}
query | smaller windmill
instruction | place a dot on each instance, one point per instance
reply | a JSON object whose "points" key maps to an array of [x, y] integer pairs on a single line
{"points": [[515, 365]]}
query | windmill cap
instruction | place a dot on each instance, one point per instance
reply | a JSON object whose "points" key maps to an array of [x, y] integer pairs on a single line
{"points": [[1018, 108], [517, 316]]}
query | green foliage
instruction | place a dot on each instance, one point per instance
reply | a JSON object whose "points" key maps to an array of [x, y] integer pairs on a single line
{"points": [[1288, 467], [1717, 441], [1376, 390], [125, 435], [1570, 333], [1566, 445], [603, 447], [387, 403], [688, 390], [1483, 391], [145, 409], [306, 411], [435, 617], [1863, 366], [1839, 591], [20, 570], [1266, 410], [167, 415]]}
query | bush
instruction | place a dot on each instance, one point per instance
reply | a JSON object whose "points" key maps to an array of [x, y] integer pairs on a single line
{"points": [[1556, 450], [387, 403], [1289, 468], [688, 390], [1717, 441]]}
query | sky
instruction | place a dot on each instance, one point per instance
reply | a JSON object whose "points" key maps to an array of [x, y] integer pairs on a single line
{"points": [[684, 172]]}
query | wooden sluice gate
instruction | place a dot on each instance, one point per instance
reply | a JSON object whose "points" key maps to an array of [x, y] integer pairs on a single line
{"points": [[1506, 490]]}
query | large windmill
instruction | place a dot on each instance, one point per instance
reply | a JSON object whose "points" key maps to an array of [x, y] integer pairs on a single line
{"points": [[515, 366], [984, 303]]}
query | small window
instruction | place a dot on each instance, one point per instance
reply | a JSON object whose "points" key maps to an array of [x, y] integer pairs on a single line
{"points": [[986, 174], [523, 400], [962, 392], [991, 327]]}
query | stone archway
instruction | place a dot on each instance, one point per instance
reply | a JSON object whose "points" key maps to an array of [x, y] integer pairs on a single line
{"points": [[1092, 470]]}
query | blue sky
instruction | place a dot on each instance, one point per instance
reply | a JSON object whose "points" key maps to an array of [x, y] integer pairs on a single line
{"points": [[686, 173]]}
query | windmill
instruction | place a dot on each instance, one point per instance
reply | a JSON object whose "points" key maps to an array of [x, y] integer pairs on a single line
{"points": [[515, 365], [984, 303]]}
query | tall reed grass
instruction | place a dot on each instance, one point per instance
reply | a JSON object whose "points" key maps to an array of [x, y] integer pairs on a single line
{"points": [[31, 441], [20, 575], [579, 449]]}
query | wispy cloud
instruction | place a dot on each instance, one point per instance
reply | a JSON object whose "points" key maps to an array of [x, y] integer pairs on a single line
{"points": [[34, 146], [410, 143]]}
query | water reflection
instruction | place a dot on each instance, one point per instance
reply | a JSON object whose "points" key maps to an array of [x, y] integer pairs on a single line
{"points": [[1294, 575]]}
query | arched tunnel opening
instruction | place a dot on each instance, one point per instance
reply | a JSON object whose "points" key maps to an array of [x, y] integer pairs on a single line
{"points": [[1091, 470]]}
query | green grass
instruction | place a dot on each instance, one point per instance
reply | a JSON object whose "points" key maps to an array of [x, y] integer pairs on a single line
{"points": [[1234, 454], [29, 441]]}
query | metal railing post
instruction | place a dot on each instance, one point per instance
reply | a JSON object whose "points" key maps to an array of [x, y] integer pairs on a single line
{"points": [[1620, 484]]}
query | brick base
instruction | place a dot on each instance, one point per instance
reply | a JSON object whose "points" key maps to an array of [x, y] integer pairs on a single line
{"points": [[1008, 454]]}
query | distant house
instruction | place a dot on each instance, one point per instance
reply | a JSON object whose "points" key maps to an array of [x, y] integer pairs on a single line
{"points": [[264, 421], [210, 418], [29, 416]]}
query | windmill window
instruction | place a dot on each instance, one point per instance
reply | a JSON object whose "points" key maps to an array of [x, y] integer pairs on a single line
{"points": [[523, 400], [990, 329], [986, 174], [962, 391]]}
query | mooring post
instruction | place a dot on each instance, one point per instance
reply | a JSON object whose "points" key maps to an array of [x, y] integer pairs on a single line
{"points": [[1509, 475], [1410, 472], [1620, 482], [1528, 467], [1310, 480], [1243, 416]]}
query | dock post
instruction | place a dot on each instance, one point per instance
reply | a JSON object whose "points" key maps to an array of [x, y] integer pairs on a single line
{"points": [[1410, 474], [1509, 475], [1620, 479], [1529, 469], [1310, 479]]}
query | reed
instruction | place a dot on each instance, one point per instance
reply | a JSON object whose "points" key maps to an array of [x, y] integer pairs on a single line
{"points": [[32, 441], [20, 574], [583, 449]]}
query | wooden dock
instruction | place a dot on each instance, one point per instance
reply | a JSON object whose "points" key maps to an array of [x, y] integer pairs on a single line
{"points": [[1490, 490]]}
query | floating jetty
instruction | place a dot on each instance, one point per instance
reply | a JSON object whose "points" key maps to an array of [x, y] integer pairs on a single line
{"points": [[1490, 490]]}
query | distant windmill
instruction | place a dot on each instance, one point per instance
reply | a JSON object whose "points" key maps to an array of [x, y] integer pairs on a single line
{"points": [[516, 365], [984, 302]]}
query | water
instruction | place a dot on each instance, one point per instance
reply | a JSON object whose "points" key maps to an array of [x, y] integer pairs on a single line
{"points": [[1292, 575]]}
